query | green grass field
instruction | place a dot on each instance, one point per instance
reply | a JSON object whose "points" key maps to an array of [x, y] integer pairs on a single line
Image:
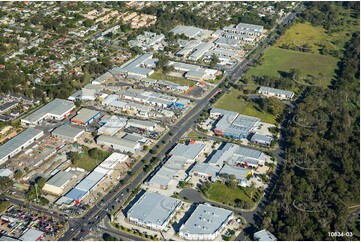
{"points": [[276, 59], [232, 103], [181, 81], [87, 162], [219, 192], [305, 33]]}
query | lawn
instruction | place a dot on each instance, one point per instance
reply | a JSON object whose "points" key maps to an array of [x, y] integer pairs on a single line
{"points": [[219, 192], [232, 103], [89, 161], [181, 81], [276, 59]]}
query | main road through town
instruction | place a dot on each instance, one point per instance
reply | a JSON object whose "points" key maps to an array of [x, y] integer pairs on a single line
{"points": [[81, 226]]}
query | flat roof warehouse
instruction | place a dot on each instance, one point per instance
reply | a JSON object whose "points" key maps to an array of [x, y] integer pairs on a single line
{"points": [[56, 109], [18, 143]]}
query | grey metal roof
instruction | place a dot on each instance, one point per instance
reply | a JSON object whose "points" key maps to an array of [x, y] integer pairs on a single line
{"points": [[75, 194], [239, 172], [276, 91], [167, 172], [67, 131], [133, 66], [103, 77], [31, 235], [18, 141], [205, 220], [200, 50], [5, 172], [195, 74], [134, 122], [232, 153], [264, 235], [132, 137], [251, 27], [188, 31], [116, 141], [153, 208], [60, 178], [227, 41], [7, 238], [232, 122], [206, 168], [85, 114], [55, 107], [261, 138], [188, 151], [7, 105]]}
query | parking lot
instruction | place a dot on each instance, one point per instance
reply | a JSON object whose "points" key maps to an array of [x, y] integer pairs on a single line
{"points": [[16, 220]]}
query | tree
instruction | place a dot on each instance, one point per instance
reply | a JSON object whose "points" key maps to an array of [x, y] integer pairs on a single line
{"points": [[272, 105], [214, 61], [18, 174], [41, 182], [4, 204], [108, 237], [5, 183], [74, 158]]}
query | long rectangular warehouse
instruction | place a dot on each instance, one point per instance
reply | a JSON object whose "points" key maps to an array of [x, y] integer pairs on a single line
{"points": [[57, 109], [19, 142]]}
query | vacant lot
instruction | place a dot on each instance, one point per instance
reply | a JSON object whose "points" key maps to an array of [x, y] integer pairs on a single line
{"points": [[276, 59], [180, 81], [219, 192], [305, 33], [235, 102], [89, 160]]}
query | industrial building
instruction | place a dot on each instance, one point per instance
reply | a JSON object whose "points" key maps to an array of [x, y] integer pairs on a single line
{"points": [[200, 50], [103, 78], [257, 29], [147, 40], [58, 109], [167, 173], [67, 133], [205, 223], [6, 173], [18, 143], [111, 125], [171, 85], [90, 182], [261, 139], [240, 173], [205, 171], [189, 31], [208, 74], [153, 210], [56, 184], [278, 93], [141, 124], [233, 155], [85, 116], [187, 48], [190, 152], [32, 235], [148, 97], [116, 143], [232, 124], [139, 67], [264, 235]]}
